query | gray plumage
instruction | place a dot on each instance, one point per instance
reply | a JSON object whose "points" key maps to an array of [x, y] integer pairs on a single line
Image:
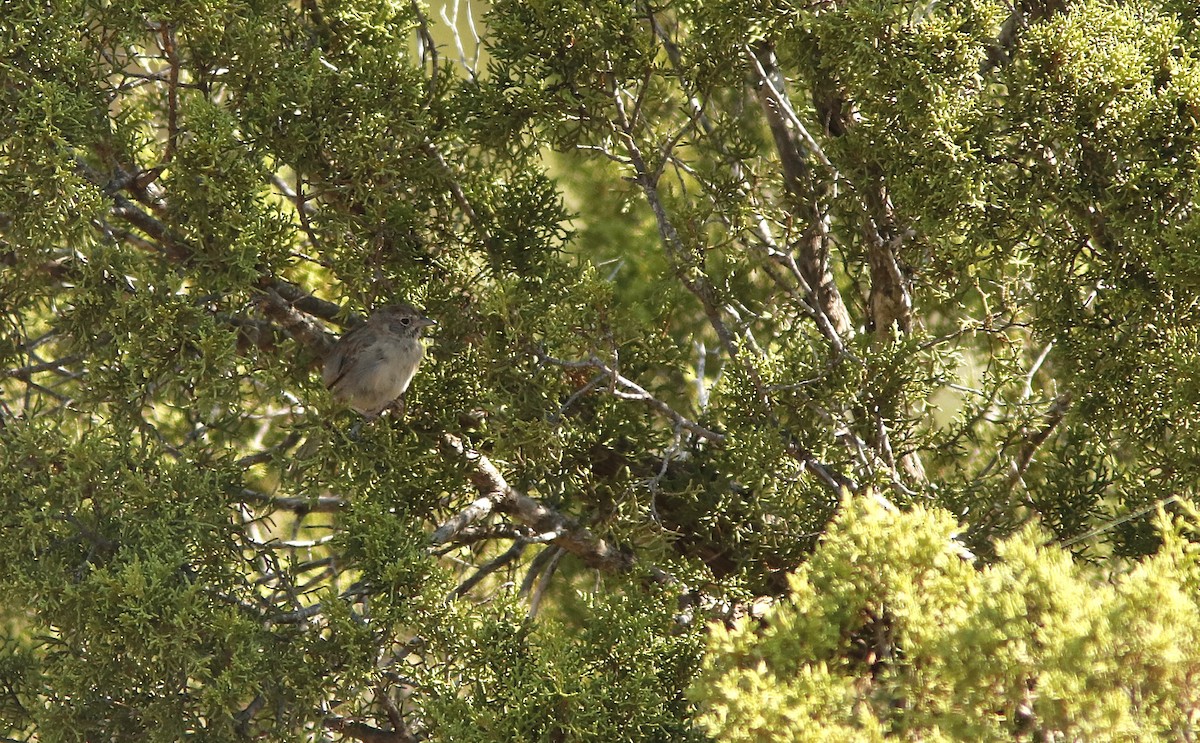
{"points": [[371, 366]]}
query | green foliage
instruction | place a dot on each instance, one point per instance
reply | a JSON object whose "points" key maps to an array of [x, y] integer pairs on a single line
{"points": [[124, 569], [699, 269], [615, 672], [890, 633]]}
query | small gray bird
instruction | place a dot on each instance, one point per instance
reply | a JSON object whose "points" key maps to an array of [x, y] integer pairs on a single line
{"points": [[370, 367]]}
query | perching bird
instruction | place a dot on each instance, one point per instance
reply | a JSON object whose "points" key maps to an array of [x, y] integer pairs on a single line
{"points": [[371, 366]]}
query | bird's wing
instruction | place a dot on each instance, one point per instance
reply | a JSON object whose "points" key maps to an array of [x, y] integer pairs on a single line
{"points": [[335, 364]]}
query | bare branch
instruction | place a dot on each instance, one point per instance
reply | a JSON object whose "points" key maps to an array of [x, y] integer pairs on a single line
{"points": [[174, 247], [478, 509], [54, 365], [1050, 421], [427, 49], [761, 226], [793, 142], [627, 389], [891, 296], [771, 82], [320, 504], [472, 65], [568, 533], [243, 717], [304, 209], [276, 290], [547, 572], [890, 299], [393, 712], [489, 567], [456, 190], [686, 266]]}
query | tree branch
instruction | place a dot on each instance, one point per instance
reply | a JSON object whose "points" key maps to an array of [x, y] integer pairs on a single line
{"points": [[687, 266], [479, 509], [1050, 421], [367, 733], [428, 49], [567, 533], [794, 143], [54, 365], [456, 190], [634, 391], [763, 240], [489, 567], [320, 504], [303, 300], [308, 333], [270, 453], [631, 390], [890, 298], [167, 44]]}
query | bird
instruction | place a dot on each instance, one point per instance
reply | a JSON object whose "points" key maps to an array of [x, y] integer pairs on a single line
{"points": [[370, 367]]}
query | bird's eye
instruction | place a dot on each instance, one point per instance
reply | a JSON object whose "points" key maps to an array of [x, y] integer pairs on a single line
{"points": [[406, 321]]}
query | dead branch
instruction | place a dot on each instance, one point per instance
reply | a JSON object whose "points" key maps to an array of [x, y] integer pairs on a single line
{"points": [[686, 265], [794, 145], [566, 532], [367, 733], [1053, 416]]}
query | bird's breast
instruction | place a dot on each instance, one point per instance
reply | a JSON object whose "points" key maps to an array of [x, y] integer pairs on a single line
{"points": [[395, 363]]}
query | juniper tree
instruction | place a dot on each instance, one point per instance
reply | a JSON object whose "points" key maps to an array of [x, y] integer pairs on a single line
{"points": [[700, 271]]}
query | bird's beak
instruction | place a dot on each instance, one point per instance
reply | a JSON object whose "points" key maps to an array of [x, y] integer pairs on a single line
{"points": [[425, 322]]}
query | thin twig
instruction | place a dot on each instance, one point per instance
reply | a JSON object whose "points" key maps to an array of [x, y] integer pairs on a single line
{"points": [[1050, 421], [268, 454], [686, 268], [627, 389], [1157, 503], [539, 590], [428, 48], [456, 190], [319, 504], [489, 567], [54, 365], [565, 531]]}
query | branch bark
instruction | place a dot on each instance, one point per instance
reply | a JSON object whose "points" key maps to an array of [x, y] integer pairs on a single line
{"points": [[1050, 421], [367, 733], [891, 296], [794, 145], [309, 333], [567, 532], [320, 504], [687, 266]]}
